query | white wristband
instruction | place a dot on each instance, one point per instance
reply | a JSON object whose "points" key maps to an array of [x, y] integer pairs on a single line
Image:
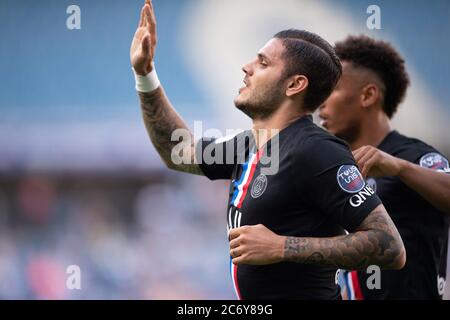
{"points": [[148, 82]]}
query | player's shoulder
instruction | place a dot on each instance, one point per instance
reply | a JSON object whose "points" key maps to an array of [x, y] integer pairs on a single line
{"points": [[313, 138], [318, 148], [396, 140], [412, 149]]}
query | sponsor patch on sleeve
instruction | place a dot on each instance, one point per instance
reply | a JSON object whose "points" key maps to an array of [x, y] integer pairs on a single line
{"points": [[435, 161], [350, 179]]}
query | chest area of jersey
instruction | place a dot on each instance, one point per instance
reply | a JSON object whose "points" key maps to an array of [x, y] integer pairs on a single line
{"points": [[258, 190]]}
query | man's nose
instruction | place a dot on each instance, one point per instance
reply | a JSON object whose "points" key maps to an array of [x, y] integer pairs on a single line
{"points": [[247, 69]]}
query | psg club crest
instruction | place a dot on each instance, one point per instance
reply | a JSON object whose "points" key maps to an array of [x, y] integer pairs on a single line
{"points": [[435, 161], [259, 186], [350, 179]]}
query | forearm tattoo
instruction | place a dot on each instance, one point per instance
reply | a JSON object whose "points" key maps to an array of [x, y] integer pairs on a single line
{"points": [[161, 120], [375, 243]]}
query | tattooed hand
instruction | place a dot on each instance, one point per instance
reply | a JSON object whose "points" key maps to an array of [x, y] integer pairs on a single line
{"points": [[255, 245]]}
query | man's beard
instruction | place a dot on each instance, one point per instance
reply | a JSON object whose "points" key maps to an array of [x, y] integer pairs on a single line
{"points": [[261, 103]]}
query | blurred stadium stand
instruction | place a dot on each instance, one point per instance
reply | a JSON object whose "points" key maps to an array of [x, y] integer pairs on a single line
{"points": [[80, 182]]}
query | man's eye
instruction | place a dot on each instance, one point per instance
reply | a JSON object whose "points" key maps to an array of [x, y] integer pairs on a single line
{"points": [[263, 63]]}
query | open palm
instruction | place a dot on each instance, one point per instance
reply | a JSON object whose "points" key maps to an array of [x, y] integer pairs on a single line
{"points": [[142, 49]]}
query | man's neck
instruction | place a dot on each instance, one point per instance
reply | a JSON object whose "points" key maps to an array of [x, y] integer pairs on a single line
{"points": [[373, 131], [266, 129]]}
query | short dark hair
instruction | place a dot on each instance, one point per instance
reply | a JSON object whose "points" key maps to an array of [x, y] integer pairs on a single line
{"points": [[381, 58], [308, 54]]}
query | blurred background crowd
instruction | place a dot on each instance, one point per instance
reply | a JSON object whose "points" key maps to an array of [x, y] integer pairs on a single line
{"points": [[133, 237]]}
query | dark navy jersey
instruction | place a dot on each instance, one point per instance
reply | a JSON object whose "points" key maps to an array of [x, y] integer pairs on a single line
{"points": [[423, 228], [316, 190]]}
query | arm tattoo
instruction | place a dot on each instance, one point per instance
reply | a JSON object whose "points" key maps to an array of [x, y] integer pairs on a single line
{"points": [[161, 120], [376, 242]]}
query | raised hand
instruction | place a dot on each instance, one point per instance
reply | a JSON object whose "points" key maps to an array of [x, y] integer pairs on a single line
{"points": [[142, 51]]}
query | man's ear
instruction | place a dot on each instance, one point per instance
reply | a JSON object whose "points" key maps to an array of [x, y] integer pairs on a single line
{"points": [[296, 84], [370, 94]]}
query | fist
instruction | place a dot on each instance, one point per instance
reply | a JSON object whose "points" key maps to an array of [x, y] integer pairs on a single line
{"points": [[256, 245], [376, 163]]}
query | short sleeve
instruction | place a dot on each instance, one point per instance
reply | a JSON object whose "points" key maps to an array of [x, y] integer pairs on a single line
{"points": [[326, 173], [422, 154], [218, 158], [215, 157]]}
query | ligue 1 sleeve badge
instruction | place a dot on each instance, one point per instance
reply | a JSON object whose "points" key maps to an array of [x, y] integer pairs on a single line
{"points": [[435, 161], [350, 179]]}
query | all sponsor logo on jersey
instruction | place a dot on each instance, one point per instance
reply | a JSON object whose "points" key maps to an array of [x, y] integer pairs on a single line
{"points": [[259, 186], [350, 179], [372, 183], [359, 198], [435, 161]]}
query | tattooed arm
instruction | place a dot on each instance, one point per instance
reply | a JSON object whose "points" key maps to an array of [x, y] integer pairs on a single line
{"points": [[160, 118], [375, 242]]}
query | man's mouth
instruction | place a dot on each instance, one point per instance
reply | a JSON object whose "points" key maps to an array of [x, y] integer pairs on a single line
{"points": [[245, 86]]}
